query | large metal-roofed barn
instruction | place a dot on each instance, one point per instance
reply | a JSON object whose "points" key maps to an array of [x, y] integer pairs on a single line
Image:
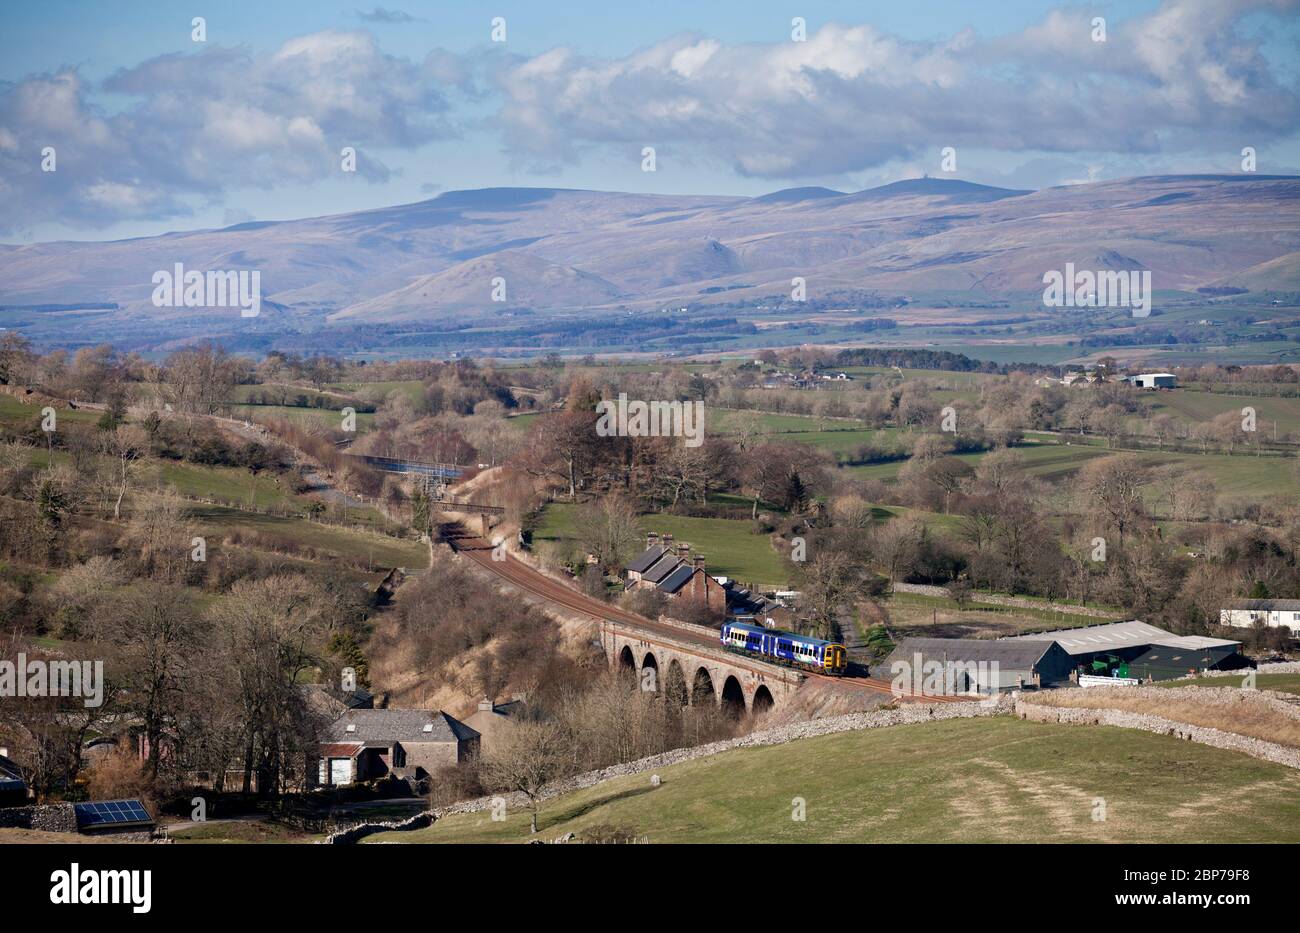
{"points": [[1129, 641]]}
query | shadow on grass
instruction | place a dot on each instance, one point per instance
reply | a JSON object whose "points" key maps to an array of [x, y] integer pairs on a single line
{"points": [[547, 819]]}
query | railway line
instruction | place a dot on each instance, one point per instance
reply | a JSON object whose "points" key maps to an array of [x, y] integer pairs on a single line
{"points": [[529, 580]]}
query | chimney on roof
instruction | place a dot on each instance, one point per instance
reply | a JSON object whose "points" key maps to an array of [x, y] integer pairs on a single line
{"points": [[699, 561], [485, 705], [668, 540], [652, 539], [683, 550]]}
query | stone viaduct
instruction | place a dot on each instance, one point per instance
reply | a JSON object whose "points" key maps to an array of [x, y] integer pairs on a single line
{"points": [[691, 670]]}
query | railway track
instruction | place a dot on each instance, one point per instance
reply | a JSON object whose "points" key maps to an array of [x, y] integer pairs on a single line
{"points": [[529, 580]]}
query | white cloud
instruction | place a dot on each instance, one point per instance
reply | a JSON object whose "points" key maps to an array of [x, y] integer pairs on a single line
{"points": [[198, 124], [1183, 84], [851, 98]]}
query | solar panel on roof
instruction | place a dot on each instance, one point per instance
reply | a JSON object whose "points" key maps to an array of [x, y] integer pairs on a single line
{"points": [[110, 812]]}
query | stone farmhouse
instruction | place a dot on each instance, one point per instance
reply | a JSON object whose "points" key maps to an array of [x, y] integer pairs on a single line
{"points": [[672, 570], [365, 744]]}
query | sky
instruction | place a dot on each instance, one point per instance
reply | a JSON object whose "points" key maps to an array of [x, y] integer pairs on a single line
{"points": [[153, 131]]}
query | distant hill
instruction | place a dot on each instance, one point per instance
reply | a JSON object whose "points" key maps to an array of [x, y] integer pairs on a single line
{"points": [[953, 190], [566, 249]]}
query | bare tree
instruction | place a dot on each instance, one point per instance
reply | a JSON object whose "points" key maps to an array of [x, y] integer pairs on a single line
{"points": [[609, 530], [526, 756], [1112, 487], [124, 445], [895, 545]]}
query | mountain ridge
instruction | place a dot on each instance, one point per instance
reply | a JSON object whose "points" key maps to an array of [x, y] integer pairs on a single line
{"points": [[574, 249]]}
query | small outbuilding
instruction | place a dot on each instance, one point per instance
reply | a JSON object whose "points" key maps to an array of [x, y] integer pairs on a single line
{"points": [[490, 717]]}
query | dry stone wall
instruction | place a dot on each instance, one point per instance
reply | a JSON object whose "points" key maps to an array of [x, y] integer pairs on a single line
{"points": [[50, 818], [905, 714], [1216, 738]]}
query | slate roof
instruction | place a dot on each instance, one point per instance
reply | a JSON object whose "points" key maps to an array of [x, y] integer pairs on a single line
{"points": [[385, 726], [645, 560], [330, 701], [661, 568], [1265, 605], [1090, 639], [677, 579]]}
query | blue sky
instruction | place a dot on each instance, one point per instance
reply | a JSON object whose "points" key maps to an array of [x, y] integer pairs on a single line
{"points": [[154, 132]]}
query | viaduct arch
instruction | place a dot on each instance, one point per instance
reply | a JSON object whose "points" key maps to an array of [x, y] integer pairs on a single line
{"points": [[693, 672]]}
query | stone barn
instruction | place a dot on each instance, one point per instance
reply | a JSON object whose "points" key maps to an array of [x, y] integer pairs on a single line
{"points": [[365, 744]]}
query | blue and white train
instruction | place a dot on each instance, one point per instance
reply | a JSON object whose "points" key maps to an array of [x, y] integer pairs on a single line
{"points": [[802, 651]]}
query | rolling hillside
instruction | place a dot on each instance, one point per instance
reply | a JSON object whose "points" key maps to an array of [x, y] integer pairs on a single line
{"points": [[563, 250]]}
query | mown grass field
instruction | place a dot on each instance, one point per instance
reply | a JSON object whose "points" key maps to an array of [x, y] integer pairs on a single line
{"points": [[988, 780], [731, 547]]}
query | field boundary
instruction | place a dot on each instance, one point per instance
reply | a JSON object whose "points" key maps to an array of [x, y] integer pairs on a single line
{"points": [[1202, 735], [910, 714], [1011, 602]]}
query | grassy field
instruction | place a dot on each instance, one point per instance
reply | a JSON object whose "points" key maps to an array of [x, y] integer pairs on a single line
{"points": [[1236, 475], [229, 483], [940, 377], [522, 422], [1283, 683], [284, 393], [226, 832], [730, 546], [728, 421], [1252, 714], [935, 617], [988, 780], [1204, 406], [14, 412], [375, 549], [411, 388], [304, 417]]}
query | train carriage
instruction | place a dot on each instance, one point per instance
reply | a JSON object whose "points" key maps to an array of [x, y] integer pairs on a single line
{"points": [[801, 651]]}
